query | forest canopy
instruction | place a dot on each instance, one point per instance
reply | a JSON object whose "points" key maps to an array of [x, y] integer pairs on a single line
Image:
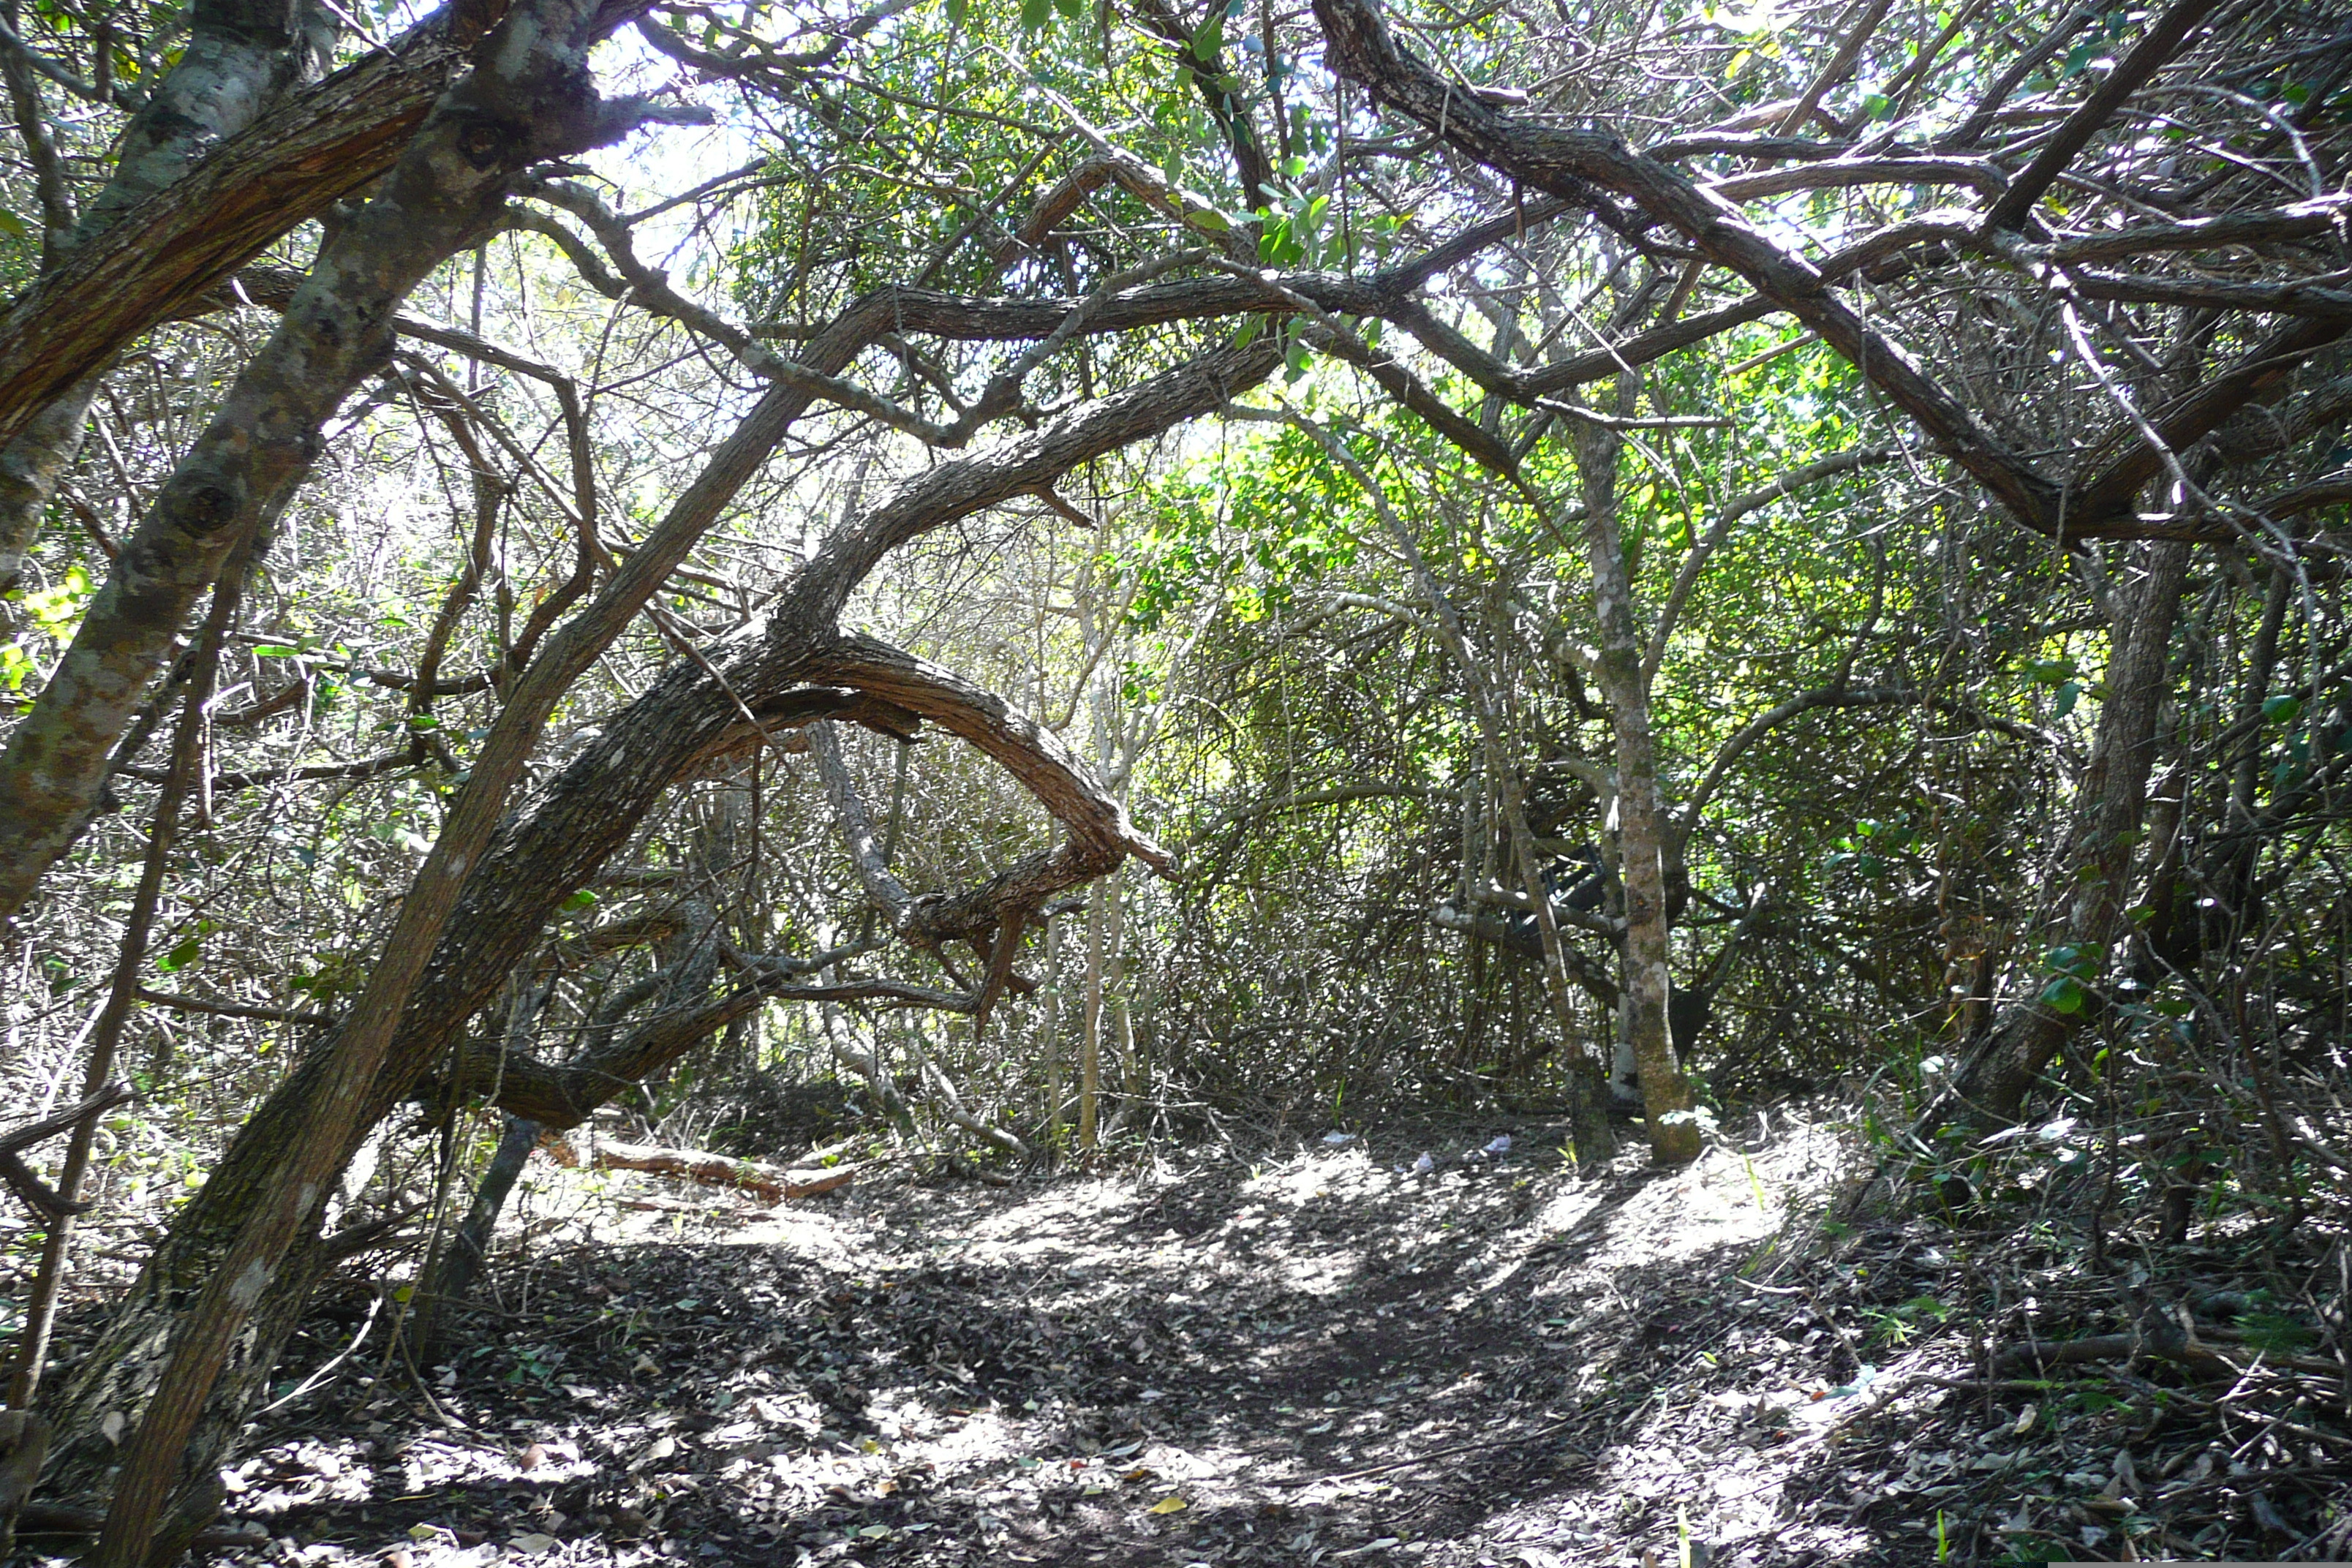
{"points": [[1070, 571]]}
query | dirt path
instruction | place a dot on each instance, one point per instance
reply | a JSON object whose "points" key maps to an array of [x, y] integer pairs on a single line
{"points": [[1326, 1357]]}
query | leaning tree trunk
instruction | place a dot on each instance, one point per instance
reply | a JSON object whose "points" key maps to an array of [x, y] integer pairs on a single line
{"points": [[679, 989], [231, 485], [530, 98], [581, 817], [240, 57], [2108, 810], [462, 1264]]}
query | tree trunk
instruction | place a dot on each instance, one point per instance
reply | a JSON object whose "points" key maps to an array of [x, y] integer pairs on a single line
{"points": [[580, 818], [532, 99], [773, 1183], [231, 485], [1090, 1044], [453, 1284], [1050, 1026], [1667, 1103], [187, 760], [2108, 811], [241, 56], [31, 468], [244, 187], [1587, 1115], [1135, 1074]]}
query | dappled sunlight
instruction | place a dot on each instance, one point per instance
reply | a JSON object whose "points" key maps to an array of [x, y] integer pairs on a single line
{"points": [[1321, 1356]]}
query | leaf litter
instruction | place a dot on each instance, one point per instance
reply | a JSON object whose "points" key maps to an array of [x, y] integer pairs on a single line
{"points": [[1327, 1353]]}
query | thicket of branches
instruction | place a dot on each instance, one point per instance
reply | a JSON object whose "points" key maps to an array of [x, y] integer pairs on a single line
{"points": [[1086, 569]]}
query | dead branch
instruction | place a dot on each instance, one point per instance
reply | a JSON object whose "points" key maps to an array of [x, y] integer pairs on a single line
{"points": [[773, 1183]]}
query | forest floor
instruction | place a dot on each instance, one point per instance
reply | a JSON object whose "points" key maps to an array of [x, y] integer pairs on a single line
{"points": [[1316, 1355]]}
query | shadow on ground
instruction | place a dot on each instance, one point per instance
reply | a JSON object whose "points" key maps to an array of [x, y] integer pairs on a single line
{"points": [[1320, 1358]]}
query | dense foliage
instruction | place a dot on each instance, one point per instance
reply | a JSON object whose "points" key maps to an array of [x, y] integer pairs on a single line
{"points": [[1022, 580]]}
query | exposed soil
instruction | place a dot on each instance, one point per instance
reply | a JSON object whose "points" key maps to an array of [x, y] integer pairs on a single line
{"points": [[1319, 1357]]}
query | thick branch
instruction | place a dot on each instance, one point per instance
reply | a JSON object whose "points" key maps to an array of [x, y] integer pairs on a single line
{"points": [[1571, 164], [2160, 43]]}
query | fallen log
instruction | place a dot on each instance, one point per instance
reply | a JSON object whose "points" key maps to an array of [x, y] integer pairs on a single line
{"points": [[773, 1183]]}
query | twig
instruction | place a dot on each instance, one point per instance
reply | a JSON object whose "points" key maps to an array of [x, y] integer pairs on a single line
{"points": [[1290, 1482]]}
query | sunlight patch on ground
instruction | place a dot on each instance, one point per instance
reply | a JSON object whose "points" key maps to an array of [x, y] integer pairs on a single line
{"points": [[1282, 1349]]}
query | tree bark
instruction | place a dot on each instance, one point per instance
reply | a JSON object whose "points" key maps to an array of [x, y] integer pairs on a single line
{"points": [[1588, 1117], [773, 1183], [1049, 1028], [2109, 808], [123, 991], [31, 468], [1666, 1105], [1090, 1040], [580, 818], [241, 56], [231, 485], [453, 1283], [529, 98], [1589, 166], [203, 205]]}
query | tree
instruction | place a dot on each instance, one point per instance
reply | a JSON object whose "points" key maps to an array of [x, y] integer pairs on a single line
{"points": [[945, 275]]}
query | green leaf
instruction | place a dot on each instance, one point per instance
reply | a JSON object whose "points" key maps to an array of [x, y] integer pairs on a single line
{"points": [[583, 899], [1210, 38], [13, 226], [957, 11], [2064, 995], [1278, 245], [1035, 14], [183, 954], [2283, 710]]}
